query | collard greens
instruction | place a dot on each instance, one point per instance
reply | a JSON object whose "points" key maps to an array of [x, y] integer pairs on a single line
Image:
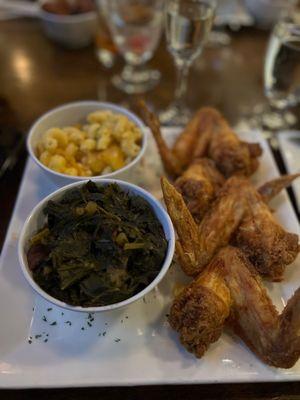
{"points": [[100, 246]]}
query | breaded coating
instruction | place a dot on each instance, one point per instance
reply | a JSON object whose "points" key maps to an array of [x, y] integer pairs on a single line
{"points": [[230, 291]]}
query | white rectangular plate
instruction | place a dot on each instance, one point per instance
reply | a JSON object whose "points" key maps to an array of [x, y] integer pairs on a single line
{"points": [[134, 346]]}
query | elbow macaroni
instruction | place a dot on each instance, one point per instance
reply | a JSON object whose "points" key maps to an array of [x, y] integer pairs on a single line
{"points": [[105, 144]]}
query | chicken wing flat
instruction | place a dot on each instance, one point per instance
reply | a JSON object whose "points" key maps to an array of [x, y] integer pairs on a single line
{"points": [[273, 337], [230, 291], [199, 185], [267, 245], [196, 246]]}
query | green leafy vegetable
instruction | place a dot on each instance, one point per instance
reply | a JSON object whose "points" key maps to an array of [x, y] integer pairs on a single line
{"points": [[100, 246]]}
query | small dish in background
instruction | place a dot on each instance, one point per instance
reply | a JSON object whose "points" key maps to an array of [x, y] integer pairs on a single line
{"points": [[266, 12], [74, 26]]}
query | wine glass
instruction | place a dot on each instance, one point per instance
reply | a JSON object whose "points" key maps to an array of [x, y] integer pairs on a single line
{"points": [[136, 27], [282, 72], [188, 24]]}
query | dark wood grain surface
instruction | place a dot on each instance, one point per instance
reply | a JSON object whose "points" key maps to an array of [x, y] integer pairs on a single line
{"points": [[36, 75]]}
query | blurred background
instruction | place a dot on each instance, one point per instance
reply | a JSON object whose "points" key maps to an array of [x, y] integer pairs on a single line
{"points": [[54, 51]]}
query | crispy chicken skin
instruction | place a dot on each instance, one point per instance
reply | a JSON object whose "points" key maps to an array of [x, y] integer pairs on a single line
{"points": [[273, 337], [206, 135], [199, 312], [267, 245], [240, 216], [230, 291], [195, 140], [199, 185], [231, 155], [197, 245]]}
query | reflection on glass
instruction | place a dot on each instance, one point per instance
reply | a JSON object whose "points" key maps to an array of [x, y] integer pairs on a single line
{"points": [[106, 50], [282, 70]]}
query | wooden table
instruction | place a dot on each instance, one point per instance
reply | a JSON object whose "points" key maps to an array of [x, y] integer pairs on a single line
{"points": [[36, 75]]}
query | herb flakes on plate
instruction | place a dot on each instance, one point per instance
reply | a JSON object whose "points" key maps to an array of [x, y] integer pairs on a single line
{"points": [[100, 245]]}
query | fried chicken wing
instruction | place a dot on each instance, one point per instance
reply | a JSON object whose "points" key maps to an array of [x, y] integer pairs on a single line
{"points": [[199, 312], [199, 185], [267, 245], [194, 141], [240, 216], [273, 337], [196, 246], [206, 135], [230, 291], [231, 155]]}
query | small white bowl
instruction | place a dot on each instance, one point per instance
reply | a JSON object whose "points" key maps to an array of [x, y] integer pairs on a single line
{"points": [[70, 114], [266, 12], [72, 31], [36, 220]]}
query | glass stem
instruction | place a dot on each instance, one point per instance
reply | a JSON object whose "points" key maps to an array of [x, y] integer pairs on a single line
{"points": [[182, 82]]}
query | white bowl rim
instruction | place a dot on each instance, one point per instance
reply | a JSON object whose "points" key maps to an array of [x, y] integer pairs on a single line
{"points": [[68, 19], [125, 185], [110, 106]]}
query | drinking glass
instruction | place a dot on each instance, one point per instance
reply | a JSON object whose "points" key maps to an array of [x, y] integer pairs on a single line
{"points": [[282, 71], [136, 27], [188, 24], [106, 51]]}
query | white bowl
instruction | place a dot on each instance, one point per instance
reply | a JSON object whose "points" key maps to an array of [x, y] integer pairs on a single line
{"points": [[70, 114], [36, 220], [266, 12], [72, 31]]}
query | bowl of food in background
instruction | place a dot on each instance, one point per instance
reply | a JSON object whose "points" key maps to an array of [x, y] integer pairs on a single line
{"points": [[96, 245], [87, 139], [267, 12], [72, 23]]}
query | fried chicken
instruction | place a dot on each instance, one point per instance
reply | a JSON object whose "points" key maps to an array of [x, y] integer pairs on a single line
{"points": [[230, 291], [264, 241], [199, 312], [239, 215], [199, 185], [196, 245], [206, 135]]}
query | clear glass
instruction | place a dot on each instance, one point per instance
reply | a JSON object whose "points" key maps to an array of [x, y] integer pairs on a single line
{"points": [[106, 51], [136, 27], [188, 24], [282, 71]]}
